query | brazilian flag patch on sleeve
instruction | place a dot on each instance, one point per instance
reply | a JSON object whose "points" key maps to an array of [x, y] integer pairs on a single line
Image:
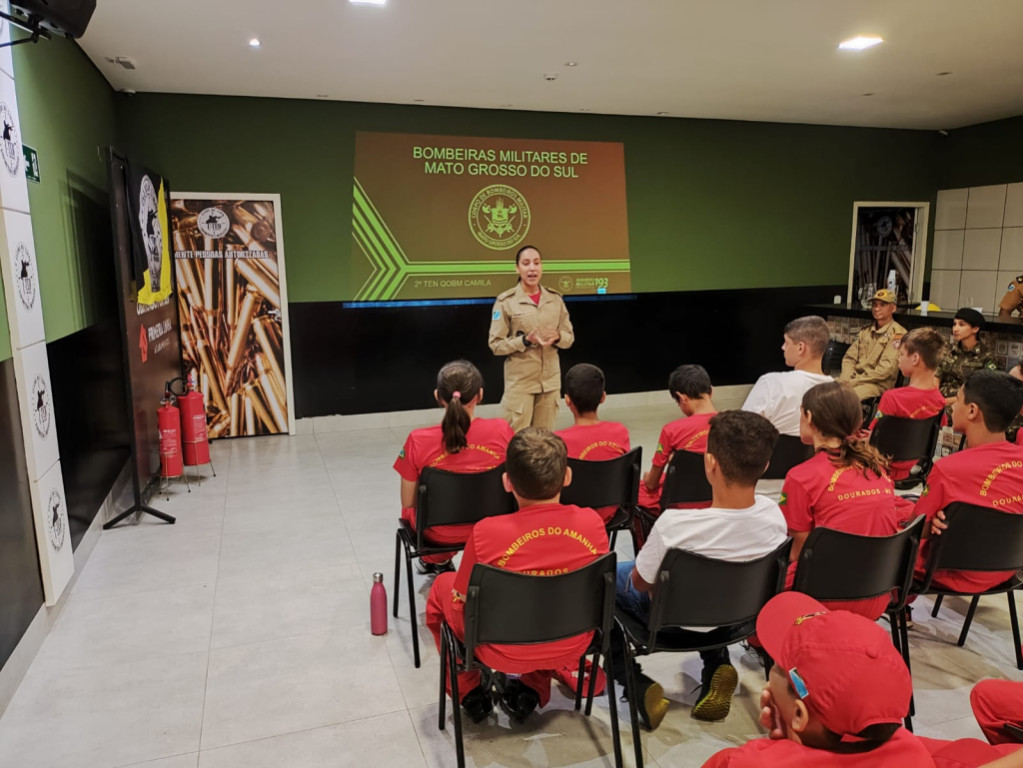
{"points": [[782, 499]]}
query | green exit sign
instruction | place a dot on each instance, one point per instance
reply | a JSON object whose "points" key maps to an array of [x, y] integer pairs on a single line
{"points": [[31, 163]]}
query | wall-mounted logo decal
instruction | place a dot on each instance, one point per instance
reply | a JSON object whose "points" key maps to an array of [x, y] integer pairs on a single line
{"points": [[41, 406], [25, 276], [213, 222], [10, 142], [56, 528], [152, 232]]}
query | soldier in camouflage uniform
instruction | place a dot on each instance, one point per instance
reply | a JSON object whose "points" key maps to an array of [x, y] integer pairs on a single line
{"points": [[965, 354]]}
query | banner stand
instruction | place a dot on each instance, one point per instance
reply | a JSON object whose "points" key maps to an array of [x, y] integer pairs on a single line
{"points": [[117, 172]]}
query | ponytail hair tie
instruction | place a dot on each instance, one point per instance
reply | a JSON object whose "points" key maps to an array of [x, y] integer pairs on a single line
{"points": [[456, 395], [849, 439]]}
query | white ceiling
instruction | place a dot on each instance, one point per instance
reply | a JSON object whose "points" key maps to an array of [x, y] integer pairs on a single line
{"points": [[771, 60]]}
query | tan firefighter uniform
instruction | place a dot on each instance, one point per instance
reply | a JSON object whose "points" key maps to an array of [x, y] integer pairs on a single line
{"points": [[532, 373], [871, 364]]}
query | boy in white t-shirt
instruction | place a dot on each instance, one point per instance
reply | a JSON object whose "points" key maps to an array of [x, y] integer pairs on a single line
{"points": [[776, 396], [738, 526]]}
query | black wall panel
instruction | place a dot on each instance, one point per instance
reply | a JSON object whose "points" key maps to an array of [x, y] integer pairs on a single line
{"points": [[366, 359], [92, 423], [21, 586]]}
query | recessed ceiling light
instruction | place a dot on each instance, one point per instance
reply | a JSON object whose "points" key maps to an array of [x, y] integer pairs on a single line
{"points": [[859, 42], [868, 94], [942, 74], [571, 63], [368, 2], [254, 42]]}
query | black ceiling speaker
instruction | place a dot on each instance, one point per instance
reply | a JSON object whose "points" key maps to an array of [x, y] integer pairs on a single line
{"points": [[64, 17]]}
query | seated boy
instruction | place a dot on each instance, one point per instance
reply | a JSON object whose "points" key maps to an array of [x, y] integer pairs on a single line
{"points": [[988, 473], [997, 703], [776, 396], [590, 438], [919, 355], [837, 695], [537, 469], [691, 390], [738, 526]]}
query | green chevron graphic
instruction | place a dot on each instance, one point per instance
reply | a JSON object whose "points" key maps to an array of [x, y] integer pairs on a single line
{"points": [[392, 268]]}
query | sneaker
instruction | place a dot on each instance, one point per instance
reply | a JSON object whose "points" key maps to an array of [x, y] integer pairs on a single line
{"points": [[518, 700], [477, 704], [424, 568], [650, 703], [716, 694]]}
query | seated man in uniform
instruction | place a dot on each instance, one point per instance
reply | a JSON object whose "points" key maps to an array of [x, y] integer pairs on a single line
{"points": [[1012, 301], [871, 364], [777, 396], [537, 469], [988, 473]]}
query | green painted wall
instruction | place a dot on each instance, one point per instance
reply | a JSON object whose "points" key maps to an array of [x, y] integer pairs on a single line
{"points": [[67, 113], [712, 204], [5, 329], [989, 153]]}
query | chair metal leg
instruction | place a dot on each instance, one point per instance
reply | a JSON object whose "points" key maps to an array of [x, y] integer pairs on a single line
{"points": [[579, 682], [443, 676], [894, 624], [612, 700], [456, 705], [969, 621], [1015, 629], [630, 692], [413, 616], [937, 606], [593, 683], [397, 572], [611, 542], [904, 643]]}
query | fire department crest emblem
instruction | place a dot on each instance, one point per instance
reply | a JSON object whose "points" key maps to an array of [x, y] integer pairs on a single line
{"points": [[499, 217]]}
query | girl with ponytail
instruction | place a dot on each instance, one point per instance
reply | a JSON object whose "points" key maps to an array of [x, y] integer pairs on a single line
{"points": [[845, 486], [460, 443]]}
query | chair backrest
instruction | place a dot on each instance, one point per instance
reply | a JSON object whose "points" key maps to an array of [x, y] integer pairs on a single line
{"points": [[512, 608], [905, 439], [977, 539], [454, 498], [833, 355], [835, 565], [685, 480], [788, 452], [697, 591], [608, 483]]}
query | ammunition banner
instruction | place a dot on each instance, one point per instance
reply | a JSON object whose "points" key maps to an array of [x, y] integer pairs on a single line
{"points": [[229, 258], [437, 217]]}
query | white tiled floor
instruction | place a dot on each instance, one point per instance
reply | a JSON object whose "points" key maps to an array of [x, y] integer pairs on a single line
{"points": [[240, 637]]}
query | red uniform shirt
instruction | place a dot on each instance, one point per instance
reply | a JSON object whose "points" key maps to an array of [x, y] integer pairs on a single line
{"points": [[909, 403], [686, 434], [596, 442], [817, 493], [544, 540], [903, 750], [488, 443], [989, 475]]}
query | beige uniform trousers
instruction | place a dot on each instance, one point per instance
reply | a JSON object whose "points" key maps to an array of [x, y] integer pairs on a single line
{"points": [[522, 409]]}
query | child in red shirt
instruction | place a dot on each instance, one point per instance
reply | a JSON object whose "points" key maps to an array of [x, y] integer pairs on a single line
{"points": [[997, 703], [544, 536], [845, 485], [590, 438], [989, 472], [919, 355], [461, 443], [691, 390], [837, 695]]}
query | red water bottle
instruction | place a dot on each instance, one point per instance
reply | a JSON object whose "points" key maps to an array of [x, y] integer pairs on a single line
{"points": [[378, 606]]}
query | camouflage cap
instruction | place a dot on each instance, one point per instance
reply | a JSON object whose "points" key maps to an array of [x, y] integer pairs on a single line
{"points": [[884, 295]]}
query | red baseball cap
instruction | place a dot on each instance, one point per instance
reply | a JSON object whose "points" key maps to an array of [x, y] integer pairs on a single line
{"points": [[842, 664]]}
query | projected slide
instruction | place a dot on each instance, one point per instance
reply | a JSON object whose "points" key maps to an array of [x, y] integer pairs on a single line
{"points": [[438, 217]]}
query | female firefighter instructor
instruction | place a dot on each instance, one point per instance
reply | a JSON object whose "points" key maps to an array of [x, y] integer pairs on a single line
{"points": [[528, 326]]}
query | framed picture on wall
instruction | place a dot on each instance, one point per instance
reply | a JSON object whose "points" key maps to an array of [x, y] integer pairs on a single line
{"points": [[888, 249]]}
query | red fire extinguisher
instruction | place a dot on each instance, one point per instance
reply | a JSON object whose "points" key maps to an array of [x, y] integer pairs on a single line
{"points": [[169, 424], [193, 426]]}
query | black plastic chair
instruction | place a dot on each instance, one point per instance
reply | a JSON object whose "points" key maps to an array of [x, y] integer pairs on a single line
{"points": [[696, 591], [832, 360], [977, 539], [788, 452], [511, 608], [902, 439], [608, 483], [1015, 731], [839, 566], [685, 480], [445, 498]]}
